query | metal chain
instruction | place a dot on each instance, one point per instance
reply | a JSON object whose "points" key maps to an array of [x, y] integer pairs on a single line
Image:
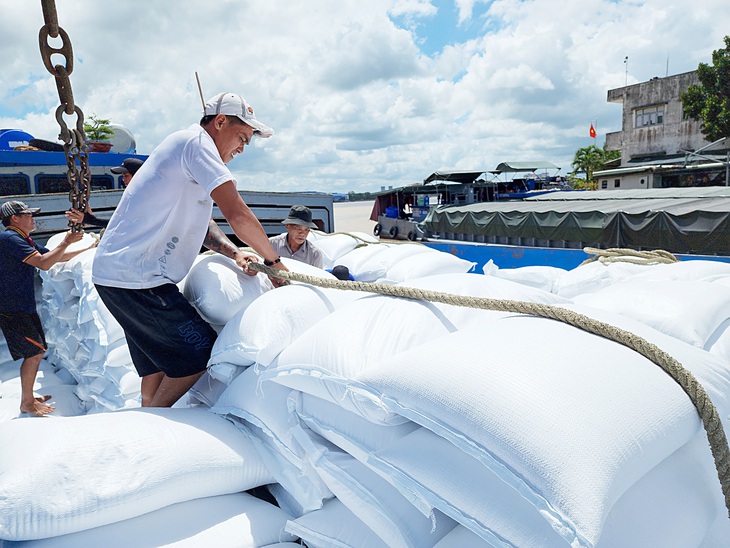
{"points": [[74, 140]]}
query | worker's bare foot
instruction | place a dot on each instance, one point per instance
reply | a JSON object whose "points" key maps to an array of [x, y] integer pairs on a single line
{"points": [[36, 408]]}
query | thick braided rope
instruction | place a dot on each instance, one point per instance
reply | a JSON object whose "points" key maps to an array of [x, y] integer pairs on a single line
{"points": [[697, 394], [362, 242], [615, 255], [350, 234]]}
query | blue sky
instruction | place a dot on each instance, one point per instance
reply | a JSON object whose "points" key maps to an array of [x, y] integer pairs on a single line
{"points": [[361, 95], [444, 27]]}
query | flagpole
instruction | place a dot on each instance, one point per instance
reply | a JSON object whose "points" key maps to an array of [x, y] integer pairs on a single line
{"points": [[595, 130]]}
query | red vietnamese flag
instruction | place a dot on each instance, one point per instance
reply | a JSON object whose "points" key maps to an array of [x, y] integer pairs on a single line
{"points": [[593, 132]]}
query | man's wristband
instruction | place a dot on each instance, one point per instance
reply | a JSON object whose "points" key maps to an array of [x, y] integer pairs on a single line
{"points": [[272, 263]]}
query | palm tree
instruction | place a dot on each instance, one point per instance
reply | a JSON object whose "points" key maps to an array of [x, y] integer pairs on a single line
{"points": [[590, 159]]}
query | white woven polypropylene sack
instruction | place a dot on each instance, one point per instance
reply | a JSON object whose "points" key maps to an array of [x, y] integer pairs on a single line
{"points": [[264, 412], [334, 525], [86, 240], [334, 246], [426, 264], [359, 261], [372, 499], [74, 473], [689, 311], [477, 285], [217, 287], [719, 343], [570, 420], [546, 278], [378, 265], [593, 276], [227, 521], [345, 429], [691, 270], [259, 332], [462, 487], [324, 360], [264, 406]]}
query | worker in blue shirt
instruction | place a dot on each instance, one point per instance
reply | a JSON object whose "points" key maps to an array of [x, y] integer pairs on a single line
{"points": [[19, 321]]}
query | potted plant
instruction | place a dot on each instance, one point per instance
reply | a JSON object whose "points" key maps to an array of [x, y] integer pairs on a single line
{"points": [[98, 132]]}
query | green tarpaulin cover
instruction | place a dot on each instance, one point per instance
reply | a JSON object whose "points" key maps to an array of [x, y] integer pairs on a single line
{"points": [[695, 221]]}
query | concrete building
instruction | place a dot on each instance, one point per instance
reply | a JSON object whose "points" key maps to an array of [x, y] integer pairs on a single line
{"points": [[661, 147]]}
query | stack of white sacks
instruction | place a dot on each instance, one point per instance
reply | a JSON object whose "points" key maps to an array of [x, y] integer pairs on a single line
{"points": [[85, 341], [377, 421]]}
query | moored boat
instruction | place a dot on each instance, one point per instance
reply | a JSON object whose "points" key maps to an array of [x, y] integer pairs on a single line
{"points": [[549, 225], [38, 177], [399, 212]]}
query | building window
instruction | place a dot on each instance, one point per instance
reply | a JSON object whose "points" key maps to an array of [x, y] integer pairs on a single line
{"points": [[102, 182], [604, 184], [14, 184], [648, 116], [50, 184], [616, 183]]}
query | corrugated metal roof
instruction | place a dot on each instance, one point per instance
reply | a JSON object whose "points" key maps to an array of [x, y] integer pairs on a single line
{"points": [[455, 176], [514, 167], [637, 194]]}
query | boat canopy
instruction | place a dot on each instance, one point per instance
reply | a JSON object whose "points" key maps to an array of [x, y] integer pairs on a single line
{"points": [[454, 176], [686, 220], [517, 167]]}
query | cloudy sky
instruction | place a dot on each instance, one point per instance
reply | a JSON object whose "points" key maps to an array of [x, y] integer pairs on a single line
{"points": [[362, 94]]}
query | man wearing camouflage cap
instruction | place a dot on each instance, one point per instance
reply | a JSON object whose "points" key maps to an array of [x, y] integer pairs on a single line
{"points": [[19, 321]]}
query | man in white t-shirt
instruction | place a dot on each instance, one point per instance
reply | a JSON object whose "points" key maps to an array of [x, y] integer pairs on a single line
{"points": [[155, 234]]}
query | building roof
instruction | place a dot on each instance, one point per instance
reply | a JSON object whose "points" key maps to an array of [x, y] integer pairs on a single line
{"points": [[454, 176], [694, 192], [514, 167]]}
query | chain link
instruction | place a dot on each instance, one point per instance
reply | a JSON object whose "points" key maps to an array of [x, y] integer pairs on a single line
{"points": [[74, 140]]}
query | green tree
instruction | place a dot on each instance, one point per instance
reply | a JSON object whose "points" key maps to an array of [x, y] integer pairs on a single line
{"points": [[590, 159], [709, 101], [97, 129], [359, 196]]}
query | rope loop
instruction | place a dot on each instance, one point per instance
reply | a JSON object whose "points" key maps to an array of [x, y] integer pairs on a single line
{"points": [[625, 255]]}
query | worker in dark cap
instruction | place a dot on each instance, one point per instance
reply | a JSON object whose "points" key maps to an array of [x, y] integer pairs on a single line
{"points": [[293, 243], [128, 168], [341, 272]]}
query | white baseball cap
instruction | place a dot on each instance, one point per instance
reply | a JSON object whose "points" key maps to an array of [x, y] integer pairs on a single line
{"points": [[232, 104]]}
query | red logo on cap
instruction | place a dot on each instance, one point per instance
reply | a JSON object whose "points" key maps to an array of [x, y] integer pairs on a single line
{"points": [[250, 111]]}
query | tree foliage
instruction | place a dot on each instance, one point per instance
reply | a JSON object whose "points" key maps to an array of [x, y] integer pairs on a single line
{"points": [[359, 196], [590, 159], [709, 101], [97, 129]]}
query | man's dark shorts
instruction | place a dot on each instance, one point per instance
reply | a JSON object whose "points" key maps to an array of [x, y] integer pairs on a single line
{"points": [[23, 333], [164, 332]]}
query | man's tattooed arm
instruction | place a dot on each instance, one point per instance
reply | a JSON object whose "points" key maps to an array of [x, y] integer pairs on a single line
{"points": [[217, 241]]}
